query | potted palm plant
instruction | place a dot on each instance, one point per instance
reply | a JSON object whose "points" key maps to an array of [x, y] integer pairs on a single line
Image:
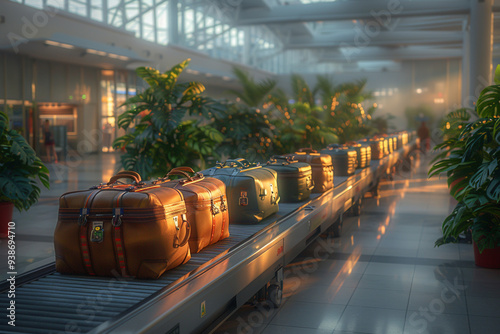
{"points": [[20, 173], [471, 159], [162, 130]]}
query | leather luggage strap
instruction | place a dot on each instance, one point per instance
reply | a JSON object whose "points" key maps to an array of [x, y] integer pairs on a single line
{"points": [[222, 209], [118, 236], [83, 233]]}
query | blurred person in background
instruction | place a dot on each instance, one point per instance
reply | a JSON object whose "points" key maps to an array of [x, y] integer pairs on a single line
{"points": [[49, 142], [424, 135]]}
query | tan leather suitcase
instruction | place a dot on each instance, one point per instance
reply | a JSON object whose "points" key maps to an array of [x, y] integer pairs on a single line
{"points": [[116, 229], [322, 168], [207, 208]]}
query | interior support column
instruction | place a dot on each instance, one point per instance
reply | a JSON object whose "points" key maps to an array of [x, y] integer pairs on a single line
{"points": [[466, 101], [481, 46]]}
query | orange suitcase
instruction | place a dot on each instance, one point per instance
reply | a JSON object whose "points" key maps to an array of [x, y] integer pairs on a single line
{"points": [[207, 209]]}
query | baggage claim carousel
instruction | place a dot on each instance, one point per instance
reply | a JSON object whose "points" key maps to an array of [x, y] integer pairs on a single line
{"points": [[199, 295]]}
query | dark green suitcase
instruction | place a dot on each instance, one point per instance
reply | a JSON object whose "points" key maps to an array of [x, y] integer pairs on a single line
{"points": [[344, 160], [295, 181], [252, 191]]}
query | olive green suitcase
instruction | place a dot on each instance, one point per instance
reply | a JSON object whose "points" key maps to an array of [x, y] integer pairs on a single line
{"points": [[294, 178], [321, 165], [252, 191]]}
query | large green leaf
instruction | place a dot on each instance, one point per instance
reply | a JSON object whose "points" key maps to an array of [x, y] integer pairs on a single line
{"points": [[488, 103]]}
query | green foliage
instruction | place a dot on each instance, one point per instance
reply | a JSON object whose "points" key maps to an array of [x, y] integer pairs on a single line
{"points": [[347, 114], [301, 91], [158, 137], [254, 93], [20, 168], [247, 132], [303, 126], [470, 156]]}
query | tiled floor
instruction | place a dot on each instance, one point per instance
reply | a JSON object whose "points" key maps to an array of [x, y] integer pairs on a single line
{"points": [[384, 274]]}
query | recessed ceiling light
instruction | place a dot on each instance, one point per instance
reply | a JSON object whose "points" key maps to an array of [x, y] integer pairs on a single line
{"points": [[61, 45], [96, 52]]}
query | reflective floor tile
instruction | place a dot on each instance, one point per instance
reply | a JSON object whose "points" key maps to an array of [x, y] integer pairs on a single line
{"points": [[390, 269], [483, 306], [444, 301], [310, 315], [428, 323], [248, 319], [372, 320], [484, 325], [482, 289], [479, 274], [273, 329], [385, 282], [335, 294], [398, 252], [389, 299]]}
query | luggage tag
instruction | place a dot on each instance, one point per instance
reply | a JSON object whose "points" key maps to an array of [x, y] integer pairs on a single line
{"points": [[97, 234], [243, 198]]}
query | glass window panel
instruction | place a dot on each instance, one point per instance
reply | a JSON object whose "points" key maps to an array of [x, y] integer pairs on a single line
{"points": [[162, 37], [162, 16], [34, 3], [56, 3], [134, 27], [96, 14], [148, 33], [189, 21], [77, 7]]}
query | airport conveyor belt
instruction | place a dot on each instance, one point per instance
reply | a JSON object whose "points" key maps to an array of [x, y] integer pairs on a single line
{"points": [[221, 277]]}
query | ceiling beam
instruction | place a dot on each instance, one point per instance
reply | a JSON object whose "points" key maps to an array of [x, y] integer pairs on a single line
{"points": [[382, 38], [378, 10], [347, 55]]}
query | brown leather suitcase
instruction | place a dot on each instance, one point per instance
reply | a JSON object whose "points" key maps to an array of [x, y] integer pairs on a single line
{"points": [[139, 230], [207, 209], [322, 168]]}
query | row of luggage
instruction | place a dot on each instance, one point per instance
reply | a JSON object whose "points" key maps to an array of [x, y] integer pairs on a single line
{"points": [[142, 229]]}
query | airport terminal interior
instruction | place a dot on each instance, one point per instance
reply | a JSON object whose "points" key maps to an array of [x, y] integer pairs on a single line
{"points": [[408, 241]]}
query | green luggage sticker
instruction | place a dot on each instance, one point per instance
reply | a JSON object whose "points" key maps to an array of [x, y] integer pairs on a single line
{"points": [[97, 232]]}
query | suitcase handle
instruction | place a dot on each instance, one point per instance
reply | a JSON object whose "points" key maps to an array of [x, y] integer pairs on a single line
{"points": [[188, 233], [128, 172], [307, 150], [124, 175], [184, 169], [239, 162], [288, 159], [196, 177]]}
